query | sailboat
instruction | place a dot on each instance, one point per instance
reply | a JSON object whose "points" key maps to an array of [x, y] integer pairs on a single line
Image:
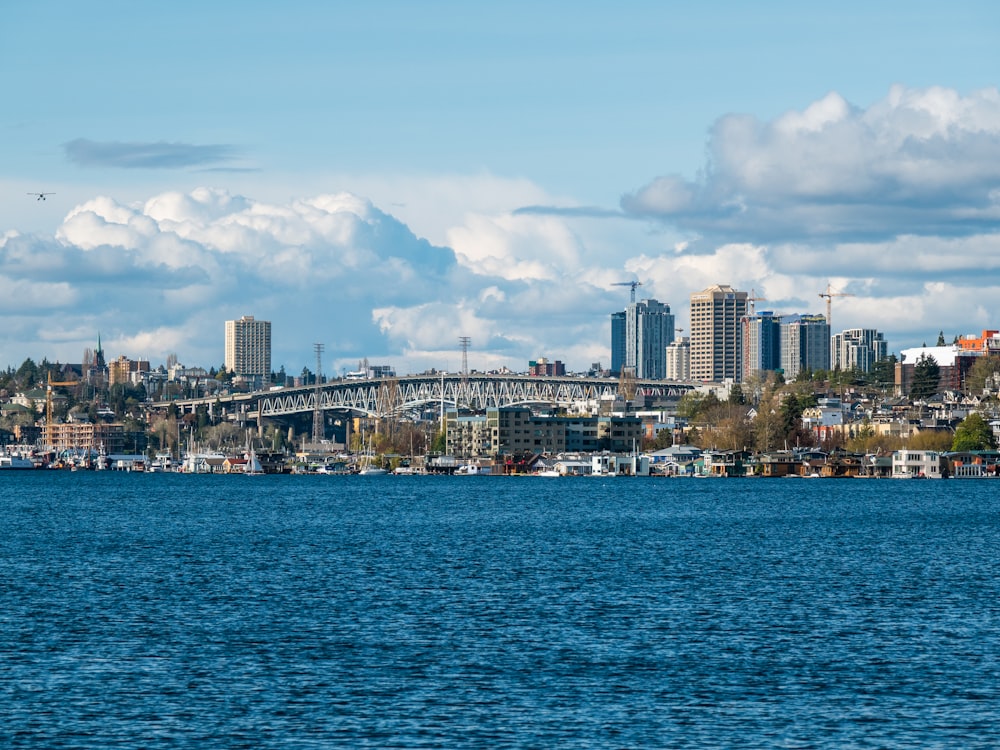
{"points": [[367, 467], [254, 467]]}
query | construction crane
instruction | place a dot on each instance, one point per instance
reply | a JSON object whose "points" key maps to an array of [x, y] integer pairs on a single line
{"points": [[829, 294], [632, 284], [750, 301]]}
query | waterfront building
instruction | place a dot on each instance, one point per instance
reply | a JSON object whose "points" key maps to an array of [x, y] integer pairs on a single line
{"points": [[911, 464], [679, 359], [805, 344], [467, 435], [857, 348], [516, 430], [761, 343], [248, 350], [716, 345], [90, 436]]}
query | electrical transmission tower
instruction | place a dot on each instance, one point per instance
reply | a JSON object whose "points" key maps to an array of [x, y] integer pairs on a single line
{"points": [[464, 341], [318, 429]]}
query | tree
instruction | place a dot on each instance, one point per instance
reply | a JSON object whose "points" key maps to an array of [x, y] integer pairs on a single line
{"points": [[693, 404], [974, 434], [664, 439], [926, 377], [27, 374], [940, 341], [982, 375], [883, 373], [790, 411], [930, 440], [736, 396], [726, 427]]}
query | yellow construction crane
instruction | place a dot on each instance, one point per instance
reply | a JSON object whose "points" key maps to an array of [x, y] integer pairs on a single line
{"points": [[750, 301], [48, 397], [830, 294], [632, 284]]}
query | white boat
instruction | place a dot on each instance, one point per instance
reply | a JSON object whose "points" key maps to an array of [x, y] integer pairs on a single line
{"points": [[368, 468], [254, 467], [15, 461], [472, 470]]}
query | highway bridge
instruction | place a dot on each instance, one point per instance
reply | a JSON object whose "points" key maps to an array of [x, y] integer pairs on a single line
{"points": [[400, 396]]}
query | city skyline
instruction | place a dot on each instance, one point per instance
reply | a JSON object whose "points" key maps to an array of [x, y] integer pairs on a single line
{"points": [[385, 179]]}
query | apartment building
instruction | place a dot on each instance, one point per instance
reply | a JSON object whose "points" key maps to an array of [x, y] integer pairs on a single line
{"points": [[857, 348], [516, 430], [248, 349], [716, 334], [679, 359], [761, 343], [805, 344]]}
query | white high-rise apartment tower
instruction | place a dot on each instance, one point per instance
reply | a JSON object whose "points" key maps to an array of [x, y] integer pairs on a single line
{"points": [[857, 347], [248, 349]]}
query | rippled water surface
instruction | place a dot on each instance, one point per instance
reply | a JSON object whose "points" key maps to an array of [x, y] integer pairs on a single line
{"points": [[409, 612]]}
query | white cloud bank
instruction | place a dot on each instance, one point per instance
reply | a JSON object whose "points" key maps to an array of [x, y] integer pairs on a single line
{"points": [[162, 276], [920, 161]]}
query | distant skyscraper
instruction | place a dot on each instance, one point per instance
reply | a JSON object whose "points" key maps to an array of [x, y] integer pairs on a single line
{"points": [[248, 349], [761, 343], [617, 342], [649, 329], [857, 347], [716, 336], [805, 344], [679, 359]]}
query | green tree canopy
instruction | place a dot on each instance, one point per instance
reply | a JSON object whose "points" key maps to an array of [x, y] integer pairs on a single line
{"points": [[926, 377], [981, 374], [973, 434], [883, 373]]}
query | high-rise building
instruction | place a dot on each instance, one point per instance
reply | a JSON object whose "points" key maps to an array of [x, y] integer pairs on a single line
{"points": [[761, 343], [805, 344], [649, 329], [857, 348], [679, 359], [248, 349], [617, 342], [716, 336]]}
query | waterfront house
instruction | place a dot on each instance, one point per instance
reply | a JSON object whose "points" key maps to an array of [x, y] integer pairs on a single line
{"points": [[619, 465], [725, 463], [573, 467], [973, 464], [915, 464], [778, 464]]}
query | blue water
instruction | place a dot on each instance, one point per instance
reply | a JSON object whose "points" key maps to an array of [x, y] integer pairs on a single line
{"points": [[168, 611]]}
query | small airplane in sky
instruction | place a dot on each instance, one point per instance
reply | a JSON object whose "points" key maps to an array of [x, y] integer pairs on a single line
{"points": [[41, 196]]}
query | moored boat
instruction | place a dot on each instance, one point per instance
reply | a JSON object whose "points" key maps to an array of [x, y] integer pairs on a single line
{"points": [[15, 461]]}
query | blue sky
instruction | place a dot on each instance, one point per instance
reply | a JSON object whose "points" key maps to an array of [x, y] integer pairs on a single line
{"points": [[385, 177]]}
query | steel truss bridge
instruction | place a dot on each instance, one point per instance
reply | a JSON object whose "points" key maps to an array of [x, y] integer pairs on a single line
{"points": [[397, 397]]}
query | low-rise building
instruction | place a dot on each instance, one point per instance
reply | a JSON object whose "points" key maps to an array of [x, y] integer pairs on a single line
{"points": [[915, 464], [85, 435]]}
